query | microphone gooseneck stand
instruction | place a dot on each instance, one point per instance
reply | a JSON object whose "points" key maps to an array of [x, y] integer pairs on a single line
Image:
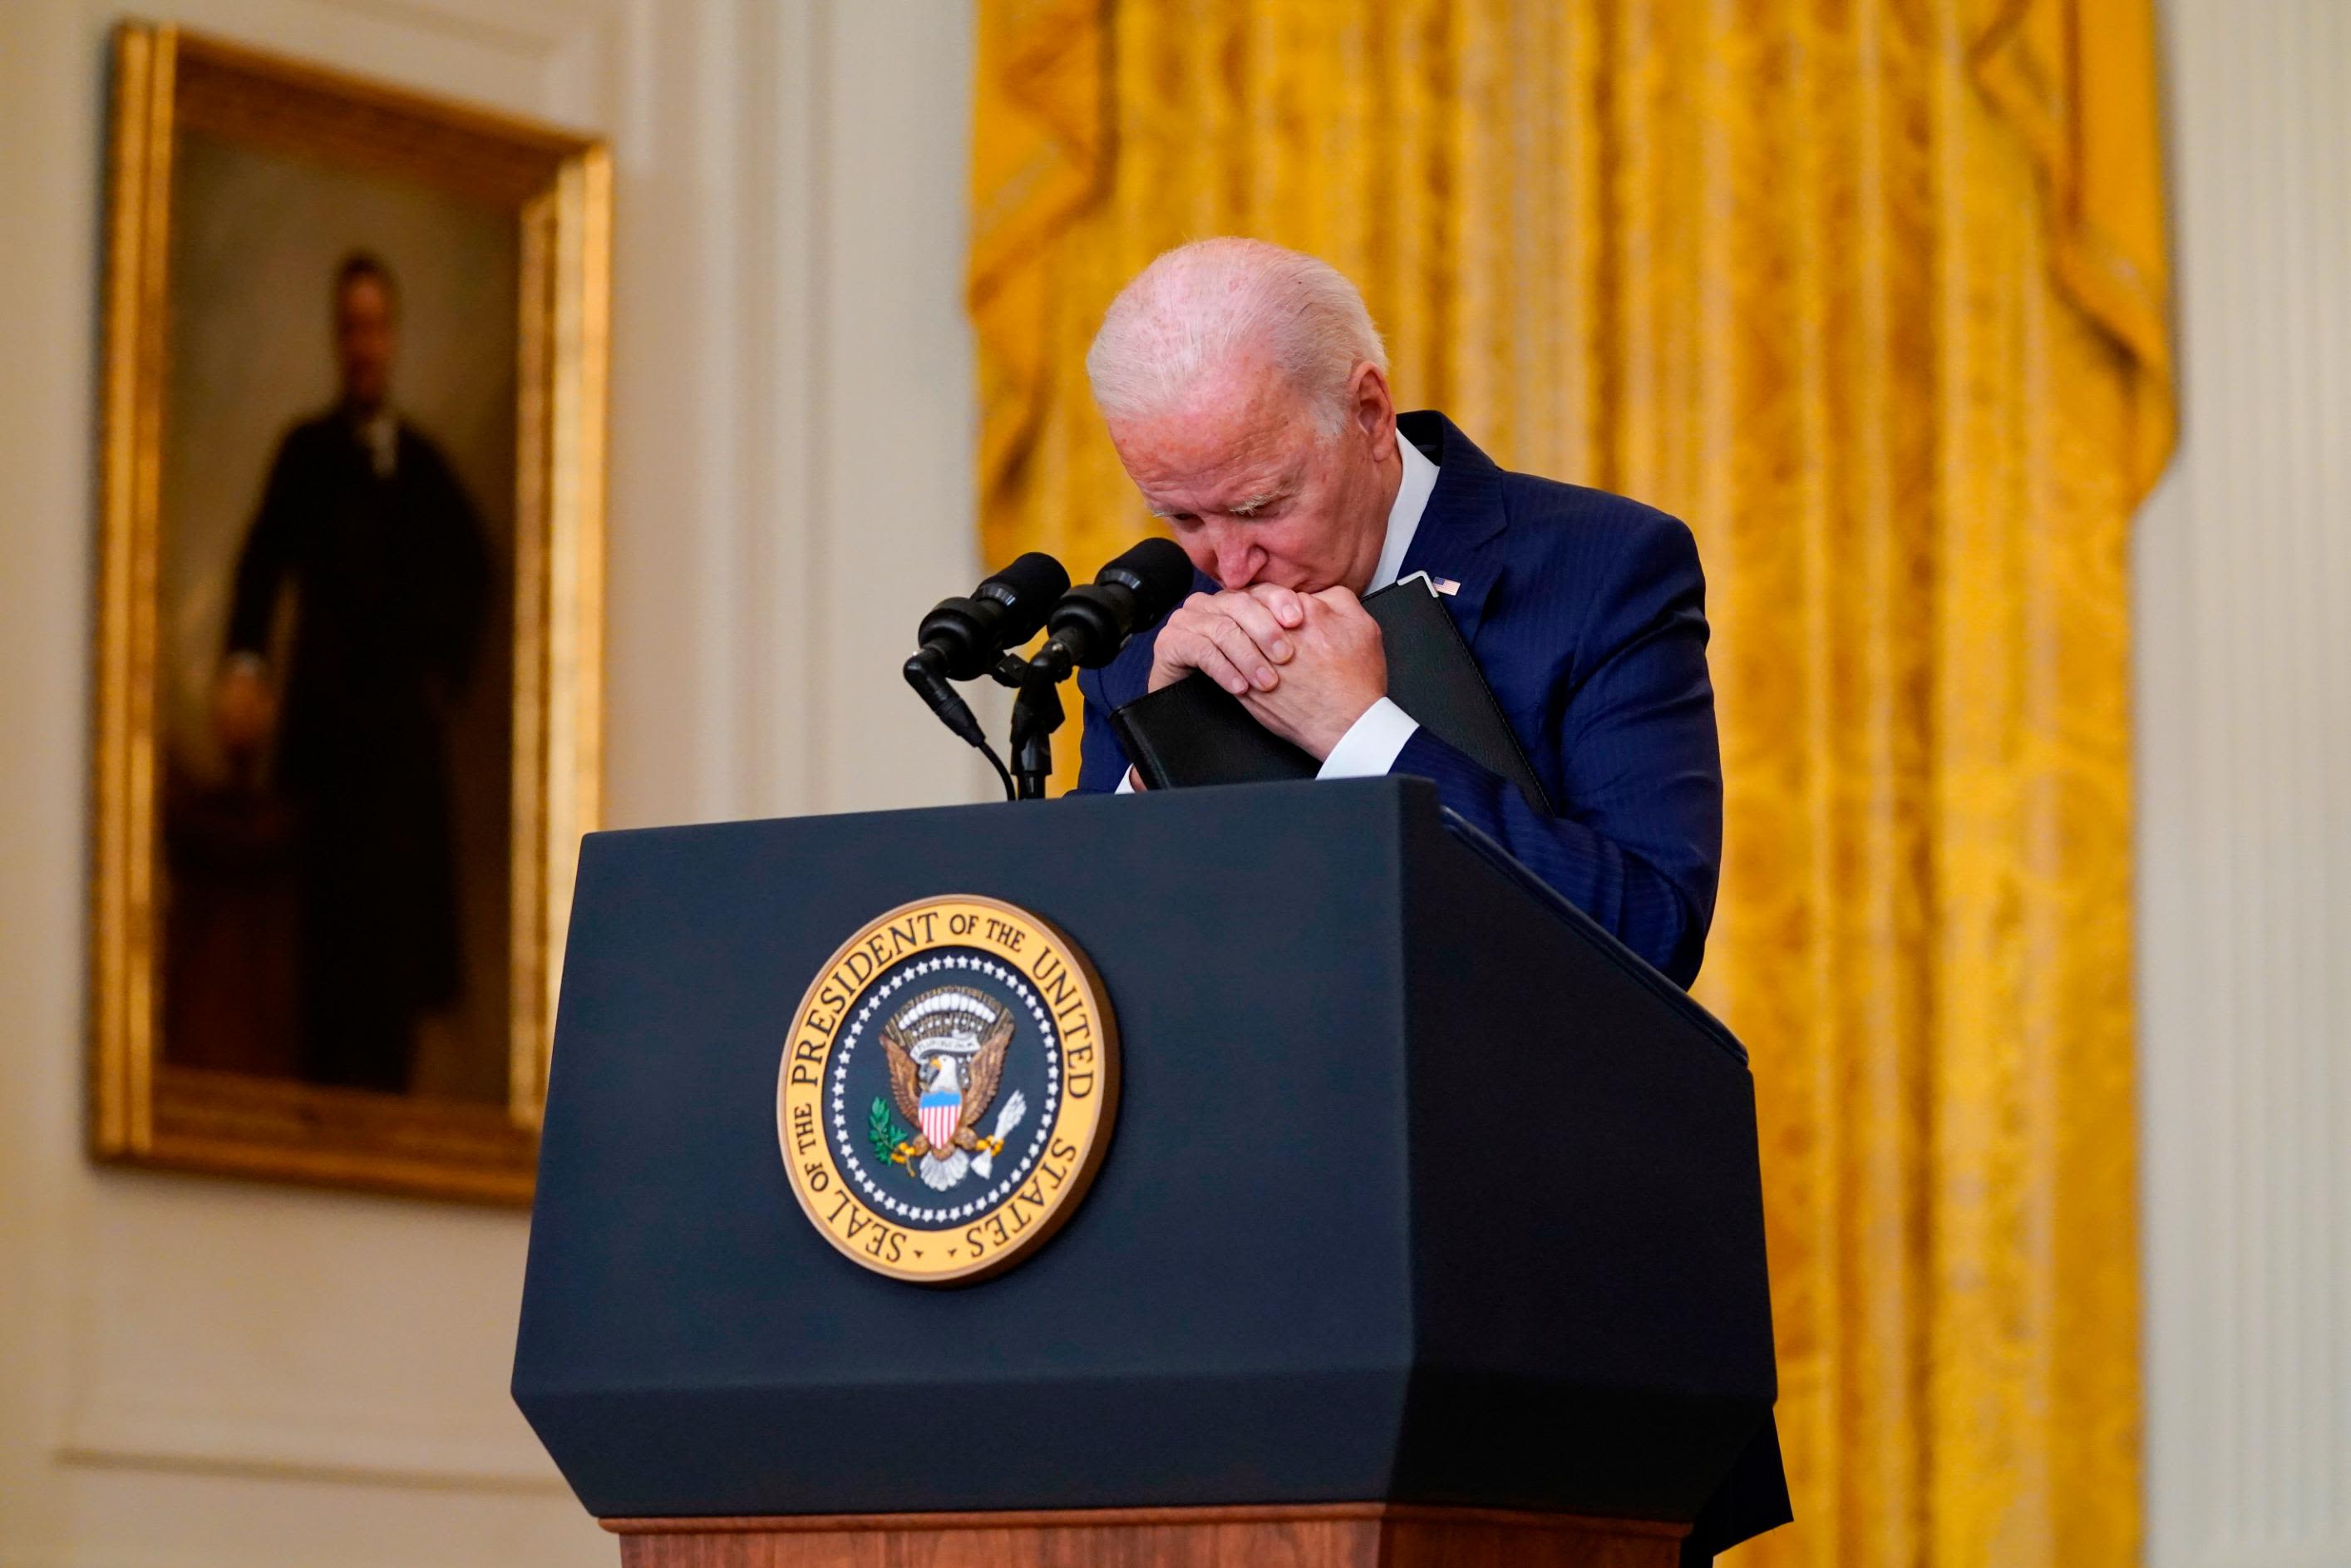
{"points": [[1036, 713]]}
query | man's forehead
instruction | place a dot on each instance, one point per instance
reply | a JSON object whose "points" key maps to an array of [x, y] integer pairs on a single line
{"points": [[1231, 480], [1246, 444]]}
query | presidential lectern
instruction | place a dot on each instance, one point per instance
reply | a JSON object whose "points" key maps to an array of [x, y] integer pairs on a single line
{"points": [[1266, 1174]]}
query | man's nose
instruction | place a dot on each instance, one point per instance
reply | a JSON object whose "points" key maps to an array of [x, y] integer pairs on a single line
{"points": [[1237, 559]]}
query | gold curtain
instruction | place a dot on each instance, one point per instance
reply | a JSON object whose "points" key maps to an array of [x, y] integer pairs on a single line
{"points": [[1873, 293]]}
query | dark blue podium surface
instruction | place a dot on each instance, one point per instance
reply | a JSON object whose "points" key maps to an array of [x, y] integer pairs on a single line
{"points": [[1422, 1188]]}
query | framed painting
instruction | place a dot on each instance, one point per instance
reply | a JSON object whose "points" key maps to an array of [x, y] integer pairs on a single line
{"points": [[348, 697]]}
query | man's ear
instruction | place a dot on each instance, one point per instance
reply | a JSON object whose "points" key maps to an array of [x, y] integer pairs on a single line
{"points": [[1374, 410]]}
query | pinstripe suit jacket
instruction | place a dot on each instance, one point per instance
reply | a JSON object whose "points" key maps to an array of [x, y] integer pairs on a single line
{"points": [[1587, 613]]}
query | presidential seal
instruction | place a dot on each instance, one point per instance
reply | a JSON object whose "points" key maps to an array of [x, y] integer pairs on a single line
{"points": [[948, 1090]]}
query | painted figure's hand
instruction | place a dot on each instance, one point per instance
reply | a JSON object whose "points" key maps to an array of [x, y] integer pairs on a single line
{"points": [[245, 710]]}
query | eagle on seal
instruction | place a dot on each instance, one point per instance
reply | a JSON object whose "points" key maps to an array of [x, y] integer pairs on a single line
{"points": [[945, 1051]]}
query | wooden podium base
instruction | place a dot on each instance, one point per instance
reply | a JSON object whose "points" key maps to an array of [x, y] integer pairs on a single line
{"points": [[1321, 1535]]}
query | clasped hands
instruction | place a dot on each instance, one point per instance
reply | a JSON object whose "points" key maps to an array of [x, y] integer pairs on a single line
{"points": [[1305, 666]]}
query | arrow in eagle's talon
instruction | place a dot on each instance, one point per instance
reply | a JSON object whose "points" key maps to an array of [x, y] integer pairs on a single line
{"points": [[1015, 1106]]}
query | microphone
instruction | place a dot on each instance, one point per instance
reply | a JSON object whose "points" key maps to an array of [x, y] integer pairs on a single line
{"points": [[961, 637], [1091, 623]]}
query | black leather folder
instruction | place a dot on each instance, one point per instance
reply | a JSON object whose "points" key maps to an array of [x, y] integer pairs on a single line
{"points": [[1195, 732]]}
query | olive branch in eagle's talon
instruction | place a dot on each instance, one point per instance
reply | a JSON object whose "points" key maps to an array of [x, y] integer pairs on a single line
{"points": [[882, 1132]]}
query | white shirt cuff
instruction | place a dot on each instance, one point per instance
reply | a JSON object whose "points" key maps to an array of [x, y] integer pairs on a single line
{"points": [[1372, 743], [1125, 782]]}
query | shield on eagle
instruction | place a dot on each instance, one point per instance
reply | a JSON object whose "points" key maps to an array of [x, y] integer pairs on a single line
{"points": [[942, 1106]]}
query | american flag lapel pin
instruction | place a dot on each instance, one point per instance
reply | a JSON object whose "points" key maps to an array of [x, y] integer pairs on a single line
{"points": [[1445, 585]]}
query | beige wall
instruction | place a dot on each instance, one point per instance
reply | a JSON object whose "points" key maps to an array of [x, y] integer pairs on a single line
{"points": [[2244, 744], [208, 1371]]}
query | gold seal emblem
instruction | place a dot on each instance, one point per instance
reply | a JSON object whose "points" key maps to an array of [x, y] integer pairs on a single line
{"points": [[948, 1089]]}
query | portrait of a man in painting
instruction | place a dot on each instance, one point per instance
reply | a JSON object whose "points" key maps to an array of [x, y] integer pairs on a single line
{"points": [[348, 693], [352, 664]]}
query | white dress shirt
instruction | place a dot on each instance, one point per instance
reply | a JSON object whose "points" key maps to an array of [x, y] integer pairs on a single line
{"points": [[1374, 741]]}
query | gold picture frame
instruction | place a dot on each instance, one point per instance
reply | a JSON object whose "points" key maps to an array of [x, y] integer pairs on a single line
{"points": [[556, 188]]}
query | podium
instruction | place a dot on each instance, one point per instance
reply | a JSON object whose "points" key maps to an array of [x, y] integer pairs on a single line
{"points": [[1429, 1226]]}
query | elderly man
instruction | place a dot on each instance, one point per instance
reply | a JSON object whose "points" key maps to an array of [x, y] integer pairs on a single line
{"points": [[1247, 392]]}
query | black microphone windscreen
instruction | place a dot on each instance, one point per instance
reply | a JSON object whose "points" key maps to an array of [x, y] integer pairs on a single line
{"points": [[1036, 573], [1162, 575], [1037, 582]]}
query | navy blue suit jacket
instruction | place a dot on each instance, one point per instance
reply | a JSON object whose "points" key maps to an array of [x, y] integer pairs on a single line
{"points": [[1587, 613]]}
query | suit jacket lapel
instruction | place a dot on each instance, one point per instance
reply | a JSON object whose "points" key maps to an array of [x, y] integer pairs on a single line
{"points": [[1460, 533]]}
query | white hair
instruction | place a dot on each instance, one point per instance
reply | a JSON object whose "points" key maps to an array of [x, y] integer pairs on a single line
{"points": [[1198, 306]]}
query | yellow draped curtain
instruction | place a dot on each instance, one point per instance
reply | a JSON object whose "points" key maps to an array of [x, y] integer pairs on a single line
{"points": [[1873, 294]]}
